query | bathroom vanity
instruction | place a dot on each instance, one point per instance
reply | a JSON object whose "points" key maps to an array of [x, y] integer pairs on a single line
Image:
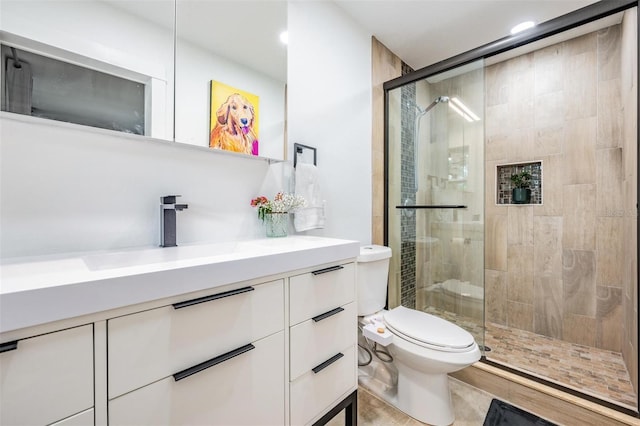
{"points": [[253, 332]]}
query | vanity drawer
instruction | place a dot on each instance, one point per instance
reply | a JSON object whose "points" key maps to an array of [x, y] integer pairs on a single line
{"points": [[151, 345], [318, 339], [244, 390], [319, 291], [46, 378], [315, 392]]}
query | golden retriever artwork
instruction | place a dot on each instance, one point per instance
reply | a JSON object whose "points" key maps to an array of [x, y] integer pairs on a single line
{"points": [[234, 126]]}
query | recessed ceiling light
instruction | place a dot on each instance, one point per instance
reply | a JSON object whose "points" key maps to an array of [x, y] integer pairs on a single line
{"points": [[522, 26], [284, 37]]}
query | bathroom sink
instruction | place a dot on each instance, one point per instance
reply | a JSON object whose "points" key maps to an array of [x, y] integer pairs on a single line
{"points": [[159, 255]]}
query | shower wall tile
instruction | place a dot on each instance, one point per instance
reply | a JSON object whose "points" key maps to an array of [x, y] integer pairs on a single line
{"points": [[495, 287], [549, 110], [496, 147], [497, 121], [548, 63], [520, 315], [579, 220], [568, 267], [608, 48], [609, 318], [610, 251], [580, 85], [520, 221], [521, 144], [547, 297], [582, 44], [552, 187], [580, 150], [579, 329], [609, 114], [496, 242], [579, 283], [497, 87], [547, 252], [520, 274], [549, 140], [609, 182]]}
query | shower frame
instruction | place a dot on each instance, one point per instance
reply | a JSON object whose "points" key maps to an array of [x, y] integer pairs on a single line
{"points": [[543, 30]]}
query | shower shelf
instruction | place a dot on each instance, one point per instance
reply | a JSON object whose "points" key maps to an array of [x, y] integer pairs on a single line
{"points": [[432, 207]]}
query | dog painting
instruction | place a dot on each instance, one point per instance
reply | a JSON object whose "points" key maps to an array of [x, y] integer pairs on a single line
{"points": [[234, 119]]}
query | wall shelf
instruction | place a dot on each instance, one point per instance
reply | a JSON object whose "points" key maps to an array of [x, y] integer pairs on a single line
{"points": [[504, 185]]}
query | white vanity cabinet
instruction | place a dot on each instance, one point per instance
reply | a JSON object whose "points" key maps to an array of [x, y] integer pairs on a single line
{"points": [[48, 378], [323, 336], [258, 333], [201, 361]]}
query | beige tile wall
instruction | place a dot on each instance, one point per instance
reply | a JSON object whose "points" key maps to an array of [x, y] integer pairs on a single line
{"points": [[562, 262], [385, 66], [629, 90]]}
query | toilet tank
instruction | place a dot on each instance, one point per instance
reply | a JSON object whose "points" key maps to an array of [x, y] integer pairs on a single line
{"points": [[372, 273]]}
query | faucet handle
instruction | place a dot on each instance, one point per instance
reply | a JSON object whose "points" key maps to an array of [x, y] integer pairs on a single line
{"points": [[169, 199]]}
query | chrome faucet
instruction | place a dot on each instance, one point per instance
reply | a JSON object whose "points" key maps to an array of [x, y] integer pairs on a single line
{"points": [[168, 208]]}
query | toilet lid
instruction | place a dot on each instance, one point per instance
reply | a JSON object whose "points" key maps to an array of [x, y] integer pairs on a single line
{"points": [[428, 330]]}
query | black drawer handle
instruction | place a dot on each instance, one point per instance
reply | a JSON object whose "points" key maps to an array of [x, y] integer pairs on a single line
{"points": [[214, 361], [327, 314], [9, 346], [204, 299], [327, 363], [329, 269]]}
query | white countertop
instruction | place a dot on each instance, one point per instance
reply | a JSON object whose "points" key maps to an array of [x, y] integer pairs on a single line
{"points": [[39, 290]]}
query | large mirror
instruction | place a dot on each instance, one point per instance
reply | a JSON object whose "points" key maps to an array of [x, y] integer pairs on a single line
{"points": [[146, 66]]}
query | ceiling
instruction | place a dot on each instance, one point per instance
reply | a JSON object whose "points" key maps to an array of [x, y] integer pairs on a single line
{"points": [[423, 32], [420, 32]]}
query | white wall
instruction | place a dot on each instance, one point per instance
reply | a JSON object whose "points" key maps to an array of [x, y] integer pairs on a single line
{"points": [[330, 107], [66, 188]]}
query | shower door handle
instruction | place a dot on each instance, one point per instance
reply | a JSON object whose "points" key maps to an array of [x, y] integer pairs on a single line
{"points": [[433, 206]]}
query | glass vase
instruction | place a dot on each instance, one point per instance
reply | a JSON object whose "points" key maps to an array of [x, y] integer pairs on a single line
{"points": [[277, 224]]}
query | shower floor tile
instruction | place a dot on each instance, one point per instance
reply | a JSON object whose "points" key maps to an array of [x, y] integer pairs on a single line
{"points": [[597, 372]]}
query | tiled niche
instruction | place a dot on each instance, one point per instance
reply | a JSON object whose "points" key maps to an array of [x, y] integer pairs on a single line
{"points": [[504, 184]]}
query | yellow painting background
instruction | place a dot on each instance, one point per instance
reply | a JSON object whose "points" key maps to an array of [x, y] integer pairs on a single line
{"points": [[219, 94]]}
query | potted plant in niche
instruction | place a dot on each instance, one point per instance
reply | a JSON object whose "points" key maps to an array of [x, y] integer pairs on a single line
{"points": [[275, 213], [521, 192]]}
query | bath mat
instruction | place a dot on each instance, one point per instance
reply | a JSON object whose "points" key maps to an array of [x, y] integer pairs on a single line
{"points": [[502, 414]]}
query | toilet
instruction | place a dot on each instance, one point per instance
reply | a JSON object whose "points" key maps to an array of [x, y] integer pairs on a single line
{"points": [[424, 347]]}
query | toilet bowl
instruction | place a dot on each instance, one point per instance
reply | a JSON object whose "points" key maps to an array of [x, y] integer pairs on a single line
{"points": [[425, 348]]}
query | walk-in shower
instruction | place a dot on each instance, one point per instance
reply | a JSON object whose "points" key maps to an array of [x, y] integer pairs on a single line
{"points": [[547, 287]]}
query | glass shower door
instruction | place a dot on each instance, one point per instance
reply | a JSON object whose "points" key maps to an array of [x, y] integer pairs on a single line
{"points": [[436, 196]]}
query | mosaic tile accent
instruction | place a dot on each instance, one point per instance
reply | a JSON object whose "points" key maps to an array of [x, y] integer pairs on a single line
{"points": [[504, 185], [408, 193]]}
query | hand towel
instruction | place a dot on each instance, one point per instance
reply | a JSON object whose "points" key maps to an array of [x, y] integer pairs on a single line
{"points": [[307, 185]]}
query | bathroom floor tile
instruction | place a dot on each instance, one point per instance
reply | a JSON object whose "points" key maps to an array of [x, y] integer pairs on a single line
{"points": [[470, 405]]}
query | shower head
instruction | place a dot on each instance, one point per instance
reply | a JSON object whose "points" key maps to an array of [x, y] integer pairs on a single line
{"points": [[442, 99]]}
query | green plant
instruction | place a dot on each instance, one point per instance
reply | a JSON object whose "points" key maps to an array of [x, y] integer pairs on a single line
{"points": [[522, 179]]}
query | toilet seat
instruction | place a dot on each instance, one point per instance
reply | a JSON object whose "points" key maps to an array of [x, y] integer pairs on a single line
{"points": [[428, 330]]}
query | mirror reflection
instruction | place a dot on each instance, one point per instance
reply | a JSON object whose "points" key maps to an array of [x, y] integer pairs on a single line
{"points": [[110, 64], [231, 75]]}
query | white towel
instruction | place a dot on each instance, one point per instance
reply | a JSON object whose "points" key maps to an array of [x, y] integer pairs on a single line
{"points": [[307, 186]]}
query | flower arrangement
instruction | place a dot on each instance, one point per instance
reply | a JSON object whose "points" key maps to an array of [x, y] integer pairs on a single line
{"points": [[281, 203]]}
